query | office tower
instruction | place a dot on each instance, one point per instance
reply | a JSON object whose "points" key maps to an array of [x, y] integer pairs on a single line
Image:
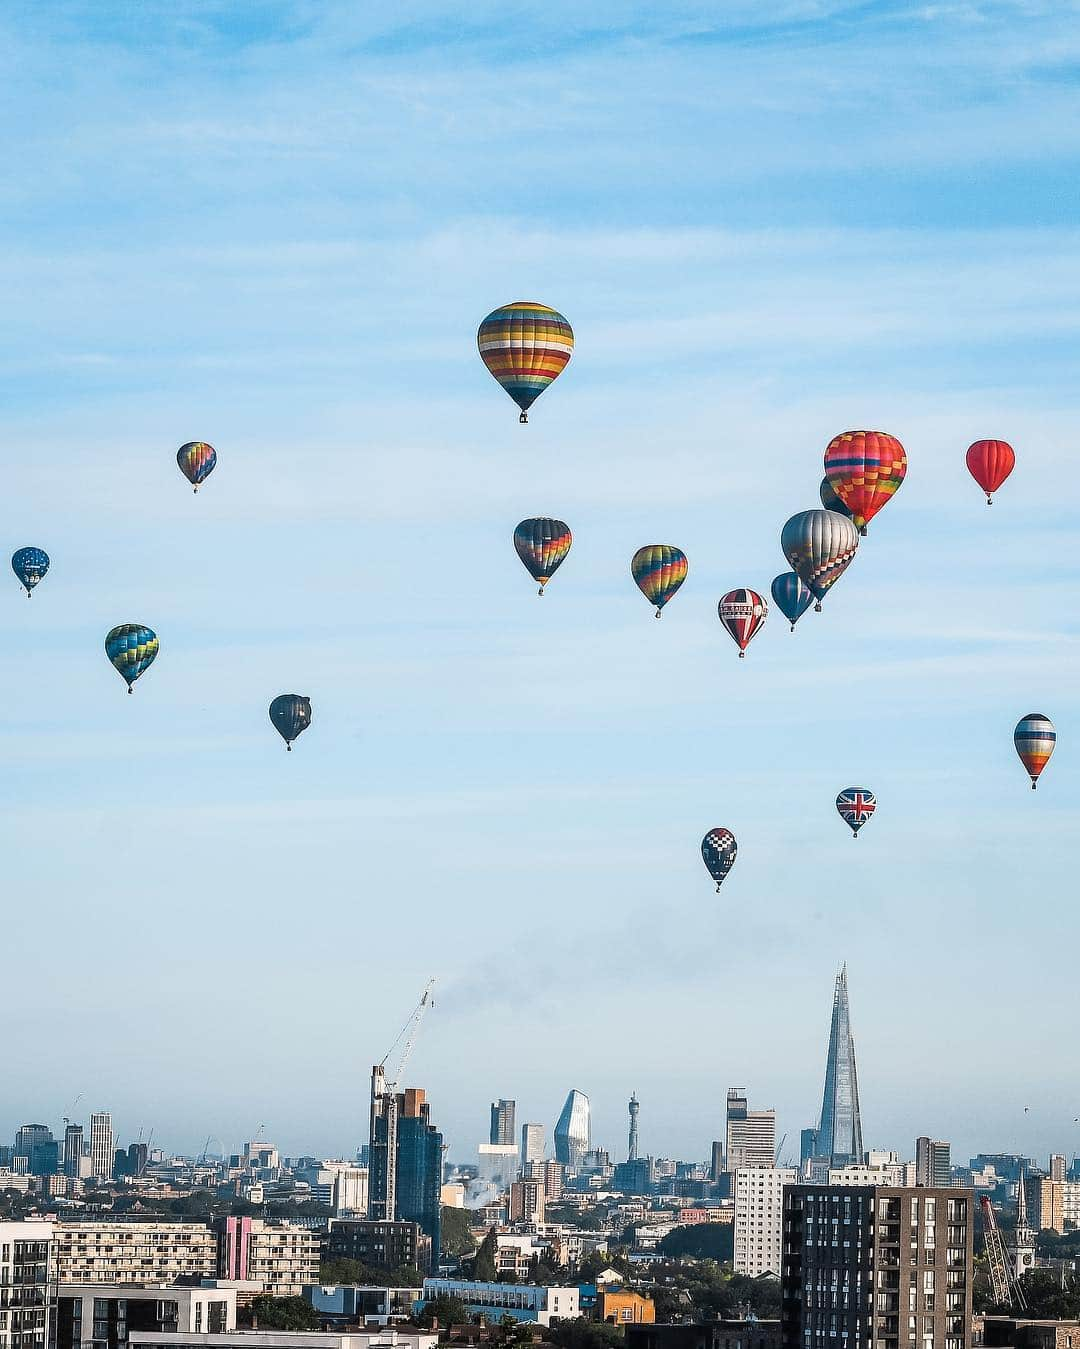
{"points": [[101, 1146], [1057, 1166], [932, 1164], [751, 1134], [839, 1134], [405, 1172], [73, 1150], [532, 1144], [807, 1151], [573, 1131], [138, 1154], [631, 1146], [26, 1275], [759, 1214], [29, 1137], [884, 1267], [553, 1181], [503, 1127], [716, 1167], [526, 1201]]}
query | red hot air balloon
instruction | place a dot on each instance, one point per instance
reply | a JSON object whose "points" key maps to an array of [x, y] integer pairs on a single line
{"points": [[990, 462], [742, 612]]}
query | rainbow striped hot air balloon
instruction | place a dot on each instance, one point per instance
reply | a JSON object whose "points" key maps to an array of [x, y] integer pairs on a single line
{"points": [[1034, 739], [865, 468], [196, 461], [659, 569], [525, 346], [542, 544]]}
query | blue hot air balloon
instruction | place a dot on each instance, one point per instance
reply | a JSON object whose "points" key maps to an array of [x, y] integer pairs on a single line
{"points": [[791, 597], [30, 566]]}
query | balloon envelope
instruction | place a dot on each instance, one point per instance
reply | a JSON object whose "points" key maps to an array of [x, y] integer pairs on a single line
{"points": [[718, 849], [525, 346], [865, 468], [990, 462], [659, 570], [818, 546], [742, 613], [30, 566], [856, 805], [1034, 739], [542, 544], [791, 597], [196, 460], [290, 714], [132, 648], [830, 500]]}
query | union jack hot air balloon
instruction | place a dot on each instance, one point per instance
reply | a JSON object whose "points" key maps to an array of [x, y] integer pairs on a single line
{"points": [[856, 805]]}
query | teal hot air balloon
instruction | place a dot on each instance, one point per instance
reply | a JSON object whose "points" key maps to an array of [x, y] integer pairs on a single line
{"points": [[30, 566], [132, 648], [791, 597], [818, 546], [291, 715]]}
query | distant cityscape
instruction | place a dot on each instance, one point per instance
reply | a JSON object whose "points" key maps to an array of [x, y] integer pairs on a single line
{"points": [[852, 1244]]}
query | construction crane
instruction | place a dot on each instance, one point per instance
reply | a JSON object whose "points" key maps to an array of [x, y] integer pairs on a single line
{"points": [[384, 1100], [1004, 1284], [779, 1150]]}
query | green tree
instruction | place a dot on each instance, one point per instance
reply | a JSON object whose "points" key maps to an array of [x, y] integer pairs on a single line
{"points": [[446, 1310], [484, 1261], [582, 1334], [703, 1241], [457, 1240], [283, 1313], [378, 1276]]}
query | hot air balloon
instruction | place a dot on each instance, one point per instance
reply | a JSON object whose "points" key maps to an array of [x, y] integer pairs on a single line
{"points": [[830, 500], [818, 546], [990, 462], [525, 346], [743, 613], [659, 570], [1034, 739], [856, 805], [132, 648], [290, 714], [718, 848], [865, 468], [791, 597], [196, 460], [30, 566], [542, 544]]}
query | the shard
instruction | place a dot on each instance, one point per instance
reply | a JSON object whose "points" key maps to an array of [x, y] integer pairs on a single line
{"points": [[839, 1135], [572, 1133]]}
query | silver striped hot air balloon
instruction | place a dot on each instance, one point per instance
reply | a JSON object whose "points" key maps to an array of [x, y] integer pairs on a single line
{"points": [[818, 546]]}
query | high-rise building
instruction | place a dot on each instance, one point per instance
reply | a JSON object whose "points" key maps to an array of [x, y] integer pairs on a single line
{"points": [[1057, 1166], [101, 1146], [30, 1136], [716, 1167], [503, 1126], [405, 1170], [751, 1134], [759, 1211], [632, 1142], [526, 1201], [553, 1181], [532, 1144], [573, 1136], [879, 1267], [932, 1163], [26, 1275], [497, 1166], [73, 1150], [839, 1133]]}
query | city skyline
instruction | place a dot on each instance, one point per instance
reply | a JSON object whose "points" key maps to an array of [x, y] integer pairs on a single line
{"points": [[759, 243]]}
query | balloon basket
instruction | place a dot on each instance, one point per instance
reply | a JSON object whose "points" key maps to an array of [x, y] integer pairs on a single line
{"points": [[742, 655], [817, 610], [288, 748], [524, 419], [540, 592]]}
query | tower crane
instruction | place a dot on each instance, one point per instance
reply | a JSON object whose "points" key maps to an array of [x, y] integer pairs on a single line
{"points": [[384, 1100], [1003, 1281]]}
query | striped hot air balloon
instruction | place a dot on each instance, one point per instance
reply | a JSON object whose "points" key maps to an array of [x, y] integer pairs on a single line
{"points": [[1034, 739], [196, 460], [542, 544], [742, 613], [659, 570], [525, 346], [865, 468], [818, 546], [990, 462]]}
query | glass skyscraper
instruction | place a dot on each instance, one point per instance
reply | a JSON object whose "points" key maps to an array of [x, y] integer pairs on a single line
{"points": [[839, 1135], [418, 1163], [573, 1131]]}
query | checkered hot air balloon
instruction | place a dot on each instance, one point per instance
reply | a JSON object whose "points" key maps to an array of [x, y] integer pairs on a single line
{"points": [[659, 570], [718, 849], [865, 468], [990, 462], [542, 544], [856, 805], [1034, 739], [132, 648], [743, 614], [196, 460], [526, 347]]}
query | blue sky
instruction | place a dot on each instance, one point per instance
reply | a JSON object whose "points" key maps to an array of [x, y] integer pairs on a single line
{"points": [[276, 227]]}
